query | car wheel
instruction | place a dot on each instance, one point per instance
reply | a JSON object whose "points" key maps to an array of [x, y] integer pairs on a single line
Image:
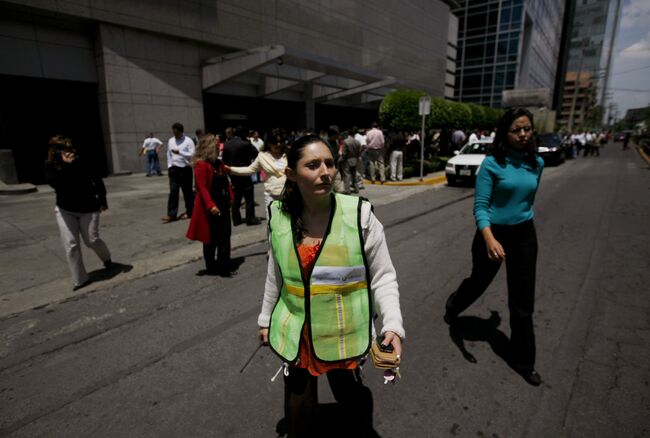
{"points": [[451, 182]]}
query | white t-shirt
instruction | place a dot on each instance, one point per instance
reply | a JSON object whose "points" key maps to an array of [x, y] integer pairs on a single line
{"points": [[360, 138], [151, 143], [185, 147], [473, 138], [259, 143]]}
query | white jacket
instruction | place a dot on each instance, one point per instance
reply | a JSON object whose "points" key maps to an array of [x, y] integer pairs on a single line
{"points": [[265, 161], [383, 279]]}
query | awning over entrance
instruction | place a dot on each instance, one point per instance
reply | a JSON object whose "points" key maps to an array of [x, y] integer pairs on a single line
{"points": [[284, 73]]}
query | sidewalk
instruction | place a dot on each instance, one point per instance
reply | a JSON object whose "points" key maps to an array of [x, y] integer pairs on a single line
{"points": [[33, 267]]}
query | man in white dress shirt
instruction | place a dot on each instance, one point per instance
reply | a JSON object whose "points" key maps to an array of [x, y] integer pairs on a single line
{"points": [[180, 150]]}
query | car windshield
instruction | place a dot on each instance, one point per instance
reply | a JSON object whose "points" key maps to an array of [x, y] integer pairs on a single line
{"points": [[476, 148], [548, 140]]}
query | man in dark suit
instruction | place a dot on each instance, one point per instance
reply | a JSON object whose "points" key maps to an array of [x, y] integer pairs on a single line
{"points": [[238, 151]]}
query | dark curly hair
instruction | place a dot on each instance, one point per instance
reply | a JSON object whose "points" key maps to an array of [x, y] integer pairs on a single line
{"points": [[291, 197], [499, 148]]}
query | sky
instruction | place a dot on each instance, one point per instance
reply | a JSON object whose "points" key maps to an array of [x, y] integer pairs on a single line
{"points": [[630, 77]]}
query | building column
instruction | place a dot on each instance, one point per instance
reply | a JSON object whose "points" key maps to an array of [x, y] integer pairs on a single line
{"points": [[145, 85]]}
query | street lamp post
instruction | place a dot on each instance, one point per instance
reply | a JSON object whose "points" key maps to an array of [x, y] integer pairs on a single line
{"points": [[424, 109]]}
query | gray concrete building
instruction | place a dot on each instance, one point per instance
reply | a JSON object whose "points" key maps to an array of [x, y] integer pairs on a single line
{"points": [[107, 73], [506, 45]]}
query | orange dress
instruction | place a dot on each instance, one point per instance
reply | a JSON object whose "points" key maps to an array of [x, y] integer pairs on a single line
{"points": [[307, 360]]}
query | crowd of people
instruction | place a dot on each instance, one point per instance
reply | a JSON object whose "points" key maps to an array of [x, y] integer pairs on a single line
{"points": [[329, 270], [587, 142]]}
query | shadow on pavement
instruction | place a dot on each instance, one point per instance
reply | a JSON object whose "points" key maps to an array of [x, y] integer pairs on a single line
{"points": [[328, 423], [107, 274], [473, 328]]}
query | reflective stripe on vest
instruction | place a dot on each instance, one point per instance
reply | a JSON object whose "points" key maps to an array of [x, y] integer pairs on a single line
{"points": [[336, 294]]}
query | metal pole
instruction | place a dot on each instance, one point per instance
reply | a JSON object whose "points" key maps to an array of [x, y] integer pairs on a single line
{"points": [[422, 150]]}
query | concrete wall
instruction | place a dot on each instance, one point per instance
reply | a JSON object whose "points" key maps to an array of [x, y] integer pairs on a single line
{"points": [[147, 82], [407, 40]]}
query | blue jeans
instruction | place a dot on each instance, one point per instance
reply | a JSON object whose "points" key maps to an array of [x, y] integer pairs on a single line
{"points": [[153, 163]]}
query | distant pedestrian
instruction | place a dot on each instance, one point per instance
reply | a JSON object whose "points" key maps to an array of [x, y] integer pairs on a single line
{"points": [[180, 150], [626, 141], [80, 198], [256, 141], [273, 162], [473, 137], [238, 151], [350, 159], [397, 157], [326, 251], [151, 147], [458, 139], [375, 143], [211, 214], [503, 208]]}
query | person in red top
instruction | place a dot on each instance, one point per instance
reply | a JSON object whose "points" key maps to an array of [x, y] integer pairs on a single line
{"points": [[211, 219]]}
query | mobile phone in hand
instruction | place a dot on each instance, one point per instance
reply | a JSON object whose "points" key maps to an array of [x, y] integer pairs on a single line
{"points": [[385, 348]]}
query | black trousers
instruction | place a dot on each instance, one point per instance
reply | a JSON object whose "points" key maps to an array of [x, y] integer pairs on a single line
{"points": [[243, 188], [180, 178], [301, 403], [220, 230], [520, 245]]}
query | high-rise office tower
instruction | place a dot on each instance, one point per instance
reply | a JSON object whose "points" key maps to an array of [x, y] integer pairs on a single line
{"points": [[590, 28], [505, 45]]}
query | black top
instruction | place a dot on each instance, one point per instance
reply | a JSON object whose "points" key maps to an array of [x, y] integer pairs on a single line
{"points": [[219, 188], [238, 152], [77, 188]]}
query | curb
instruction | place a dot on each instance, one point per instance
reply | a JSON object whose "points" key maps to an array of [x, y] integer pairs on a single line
{"points": [[17, 189], [643, 155], [438, 179], [59, 290]]}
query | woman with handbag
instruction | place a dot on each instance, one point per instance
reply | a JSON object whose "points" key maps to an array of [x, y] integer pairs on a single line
{"points": [[80, 198], [329, 270], [503, 208], [210, 222]]}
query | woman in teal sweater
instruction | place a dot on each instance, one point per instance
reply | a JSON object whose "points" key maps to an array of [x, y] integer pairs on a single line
{"points": [[503, 208]]}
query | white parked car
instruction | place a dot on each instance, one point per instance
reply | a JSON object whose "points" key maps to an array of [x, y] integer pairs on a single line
{"points": [[465, 165]]}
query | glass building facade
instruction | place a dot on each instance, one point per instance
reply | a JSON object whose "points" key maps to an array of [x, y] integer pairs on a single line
{"points": [[591, 39], [504, 45]]}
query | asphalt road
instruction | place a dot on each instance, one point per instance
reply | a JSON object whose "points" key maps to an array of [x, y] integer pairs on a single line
{"points": [[160, 356]]}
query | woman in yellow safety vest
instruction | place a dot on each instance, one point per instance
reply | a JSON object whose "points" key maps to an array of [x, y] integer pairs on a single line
{"points": [[329, 273]]}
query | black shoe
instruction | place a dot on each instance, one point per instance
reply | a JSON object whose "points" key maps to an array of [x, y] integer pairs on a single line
{"points": [[237, 223], [531, 376], [255, 221], [450, 318], [227, 273], [204, 272], [84, 284], [108, 264]]}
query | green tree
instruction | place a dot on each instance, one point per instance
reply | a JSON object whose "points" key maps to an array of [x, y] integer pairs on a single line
{"points": [[479, 118], [440, 114], [399, 110], [460, 116]]}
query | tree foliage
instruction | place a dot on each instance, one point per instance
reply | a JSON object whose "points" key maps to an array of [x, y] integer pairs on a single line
{"points": [[399, 111]]}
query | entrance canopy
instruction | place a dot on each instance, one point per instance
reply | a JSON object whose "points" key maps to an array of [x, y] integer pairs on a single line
{"points": [[284, 73]]}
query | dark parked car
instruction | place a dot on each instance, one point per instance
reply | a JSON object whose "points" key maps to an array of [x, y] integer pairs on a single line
{"points": [[550, 148]]}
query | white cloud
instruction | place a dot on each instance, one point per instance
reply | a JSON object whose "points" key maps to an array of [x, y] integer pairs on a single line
{"points": [[636, 13], [638, 50]]}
